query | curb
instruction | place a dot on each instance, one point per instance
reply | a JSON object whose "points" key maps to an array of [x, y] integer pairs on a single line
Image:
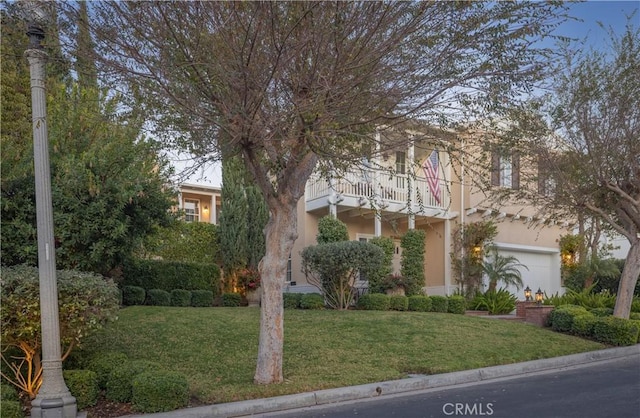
{"points": [[372, 390]]}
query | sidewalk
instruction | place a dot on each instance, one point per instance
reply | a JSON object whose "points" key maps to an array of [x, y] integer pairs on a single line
{"points": [[414, 383]]}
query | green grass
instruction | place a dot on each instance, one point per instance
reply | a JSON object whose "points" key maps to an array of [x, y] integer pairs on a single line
{"points": [[216, 348]]}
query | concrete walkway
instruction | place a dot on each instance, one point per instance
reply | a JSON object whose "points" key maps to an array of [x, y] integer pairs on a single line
{"points": [[414, 383]]}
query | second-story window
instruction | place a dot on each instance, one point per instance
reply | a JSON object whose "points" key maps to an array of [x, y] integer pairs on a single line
{"points": [[401, 162], [505, 169], [191, 210]]}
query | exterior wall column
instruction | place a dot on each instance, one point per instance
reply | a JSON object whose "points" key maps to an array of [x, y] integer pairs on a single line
{"points": [[410, 183], [213, 216], [333, 198], [446, 258]]}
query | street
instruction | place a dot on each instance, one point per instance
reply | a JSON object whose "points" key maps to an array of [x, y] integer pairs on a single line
{"points": [[606, 389]]}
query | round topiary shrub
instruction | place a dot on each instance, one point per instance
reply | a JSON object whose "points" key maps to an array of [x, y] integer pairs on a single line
{"points": [[374, 302], [83, 385], [583, 325], [133, 295], [103, 364], [561, 318], [439, 304], [159, 391], [158, 297], [180, 297], [419, 303], [231, 299], [312, 301], [119, 384], [291, 300], [456, 304], [398, 303], [201, 298], [11, 409]]}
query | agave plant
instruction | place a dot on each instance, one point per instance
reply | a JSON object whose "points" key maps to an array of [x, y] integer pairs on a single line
{"points": [[505, 269]]}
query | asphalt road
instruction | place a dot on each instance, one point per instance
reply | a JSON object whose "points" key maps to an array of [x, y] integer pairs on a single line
{"points": [[606, 389]]}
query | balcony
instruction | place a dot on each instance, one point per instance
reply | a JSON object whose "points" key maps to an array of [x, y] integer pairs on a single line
{"points": [[378, 189]]}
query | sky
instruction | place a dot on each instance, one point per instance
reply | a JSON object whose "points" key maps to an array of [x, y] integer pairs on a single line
{"points": [[609, 13]]}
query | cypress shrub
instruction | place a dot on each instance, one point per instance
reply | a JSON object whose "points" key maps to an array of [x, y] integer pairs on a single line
{"points": [[201, 298], [133, 295], [312, 301], [398, 303], [439, 304], [83, 385], [158, 297], [377, 277], [374, 302], [159, 391], [456, 304], [180, 297], [419, 303], [412, 261]]}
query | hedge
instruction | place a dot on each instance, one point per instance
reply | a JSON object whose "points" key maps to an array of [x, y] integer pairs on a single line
{"points": [[561, 318], [374, 302], [11, 409], [158, 297], [133, 295], [180, 297], [103, 363], [312, 301], [120, 381], [201, 298], [456, 304], [439, 304], [83, 385], [170, 275], [419, 303], [159, 391], [583, 325], [231, 299], [291, 300], [616, 331], [398, 303]]}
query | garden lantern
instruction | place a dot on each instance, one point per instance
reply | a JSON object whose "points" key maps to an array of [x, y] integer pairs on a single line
{"points": [[527, 294], [539, 295]]}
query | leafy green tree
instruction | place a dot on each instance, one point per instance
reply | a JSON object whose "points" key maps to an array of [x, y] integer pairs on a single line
{"points": [[505, 269], [109, 186], [296, 87], [257, 217]]}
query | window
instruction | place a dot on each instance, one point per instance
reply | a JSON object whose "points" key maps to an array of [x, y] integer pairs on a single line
{"points": [[191, 210], [289, 275], [401, 162], [505, 169]]}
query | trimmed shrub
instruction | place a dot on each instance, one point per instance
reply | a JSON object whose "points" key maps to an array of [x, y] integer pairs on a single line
{"points": [[133, 295], [291, 300], [103, 364], [419, 303], [11, 409], [120, 381], [8, 393], [311, 301], [561, 318], [158, 297], [635, 305], [180, 297], [583, 325], [439, 304], [159, 392], [634, 315], [376, 277], [170, 275], [412, 261], [331, 229], [83, 385], [637, 323], [601, 311], [231, 299], [374, 302], [398, 303], [616, 331], [201, 298], [456, 304]]}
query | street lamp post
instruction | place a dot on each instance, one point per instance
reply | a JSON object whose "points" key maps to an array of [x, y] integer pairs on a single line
{"points": [[54, 398]]}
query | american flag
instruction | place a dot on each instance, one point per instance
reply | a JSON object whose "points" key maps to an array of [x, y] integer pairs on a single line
{"points": [[430, 167]]}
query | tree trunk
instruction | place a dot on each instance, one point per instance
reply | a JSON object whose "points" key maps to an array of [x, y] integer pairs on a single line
{"points": [[280, 233], [628, 281]]}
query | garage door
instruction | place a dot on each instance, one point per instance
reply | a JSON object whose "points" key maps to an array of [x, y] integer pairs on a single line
{"points": [[543, 268]]}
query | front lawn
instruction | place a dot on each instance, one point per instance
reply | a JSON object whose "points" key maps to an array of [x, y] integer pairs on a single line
{"points": [[216, 348]]}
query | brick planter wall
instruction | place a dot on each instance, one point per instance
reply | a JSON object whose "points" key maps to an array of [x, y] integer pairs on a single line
{"points": [[521, 306], [537, 315]]}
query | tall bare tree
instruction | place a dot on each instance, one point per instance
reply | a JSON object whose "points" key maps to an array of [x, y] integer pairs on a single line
{"points": [[294, 87]]}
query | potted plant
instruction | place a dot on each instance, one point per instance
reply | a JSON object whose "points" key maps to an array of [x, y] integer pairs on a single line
{"points": [[249, 281], [394, 284]]}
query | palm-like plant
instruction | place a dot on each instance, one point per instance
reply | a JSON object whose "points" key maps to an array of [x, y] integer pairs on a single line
{"points": [[504, 269]]}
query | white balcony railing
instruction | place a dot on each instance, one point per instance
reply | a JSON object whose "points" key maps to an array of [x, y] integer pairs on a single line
{"points": [[376, 184]]}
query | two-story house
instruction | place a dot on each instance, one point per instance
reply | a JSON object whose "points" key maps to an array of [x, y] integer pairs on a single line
{"points": [[418, 186]]}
